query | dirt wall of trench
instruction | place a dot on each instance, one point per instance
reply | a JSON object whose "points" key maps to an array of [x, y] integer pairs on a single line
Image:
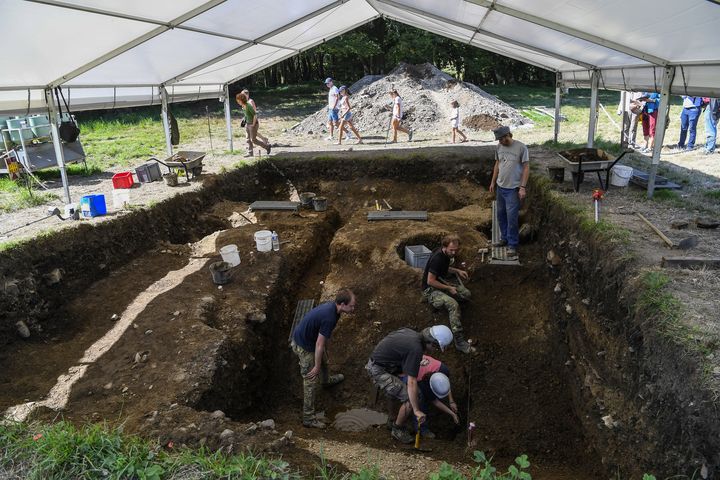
{"points": [[640, 396], [41, 275]]}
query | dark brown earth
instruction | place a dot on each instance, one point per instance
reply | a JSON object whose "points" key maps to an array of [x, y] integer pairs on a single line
{"points": [[203, 365]]}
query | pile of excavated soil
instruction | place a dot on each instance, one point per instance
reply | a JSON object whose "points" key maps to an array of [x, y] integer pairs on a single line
{"points": [[427, 93]]}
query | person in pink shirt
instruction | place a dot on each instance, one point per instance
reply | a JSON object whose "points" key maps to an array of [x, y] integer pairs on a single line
{"points": [[434, 383]]}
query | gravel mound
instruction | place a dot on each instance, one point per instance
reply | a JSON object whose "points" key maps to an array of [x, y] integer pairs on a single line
{"points": [[427, 93]]}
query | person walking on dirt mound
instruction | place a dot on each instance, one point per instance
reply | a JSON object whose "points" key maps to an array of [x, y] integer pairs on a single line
{"points": [[434, 382], [400, 353], [510, 176], [310, 341], [455, 122], [251, 125], [397, 114], [333, 107], [346, 115], [442, 292]]}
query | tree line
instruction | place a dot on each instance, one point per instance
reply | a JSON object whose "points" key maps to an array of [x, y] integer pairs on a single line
{"points": [[377, 47]]}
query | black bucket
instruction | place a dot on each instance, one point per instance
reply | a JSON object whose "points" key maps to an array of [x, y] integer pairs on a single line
{"points": [[320, 204], [306, 199], [557, 174], [221, 273]]}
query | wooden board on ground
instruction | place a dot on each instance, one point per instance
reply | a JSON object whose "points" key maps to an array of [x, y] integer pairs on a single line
{"points": [[641, 178], [399, 215], [303, 307], [274, 205], [690, 262]]}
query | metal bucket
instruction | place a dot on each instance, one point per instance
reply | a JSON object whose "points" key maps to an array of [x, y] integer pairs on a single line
{"points": [[306, 199], [221, 273], [320, 204]]}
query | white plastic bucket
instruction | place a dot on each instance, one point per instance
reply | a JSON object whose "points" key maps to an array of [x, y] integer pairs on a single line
{"points": [[263, 240], [621, 175], [121, 197], [230, 255]]}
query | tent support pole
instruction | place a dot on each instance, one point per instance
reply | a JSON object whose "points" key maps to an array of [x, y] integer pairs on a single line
{"points": [[663, 112], [57, 142], [166, 121], [228, 121], [592, 125], [558, 98]]}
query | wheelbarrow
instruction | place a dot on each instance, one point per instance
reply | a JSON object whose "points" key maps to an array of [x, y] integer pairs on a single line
{"points": [[184, 161], [583, 160]]}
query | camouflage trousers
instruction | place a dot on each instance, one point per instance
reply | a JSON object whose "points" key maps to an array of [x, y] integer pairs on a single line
{"points": [[440, 299], [306, 360]]}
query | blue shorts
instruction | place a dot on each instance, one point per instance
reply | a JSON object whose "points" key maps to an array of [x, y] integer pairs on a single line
{"points": [[333, 114], [347, 116]]}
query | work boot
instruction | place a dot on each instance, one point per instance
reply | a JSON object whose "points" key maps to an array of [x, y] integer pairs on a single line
{"points": [[511, 253], [314, 423], [335, 379], [401, 435], [461, 344]]}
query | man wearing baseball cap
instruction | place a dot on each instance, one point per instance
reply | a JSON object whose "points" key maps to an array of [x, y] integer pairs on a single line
{"points": [[333, 97], [510, 176]]}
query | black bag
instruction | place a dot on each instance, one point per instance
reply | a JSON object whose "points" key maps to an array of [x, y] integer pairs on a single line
{"points": [[68, 129]]}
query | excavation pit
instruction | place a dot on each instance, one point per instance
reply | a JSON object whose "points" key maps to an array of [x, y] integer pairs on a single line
{"points": [[195, 359]]}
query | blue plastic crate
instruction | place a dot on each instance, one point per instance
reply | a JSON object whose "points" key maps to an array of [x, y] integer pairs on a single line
{"points": [[93, 206], [417, 256]]}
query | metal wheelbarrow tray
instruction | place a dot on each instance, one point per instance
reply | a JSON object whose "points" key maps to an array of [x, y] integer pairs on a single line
{"points": [[581, 160], [190, 162]]}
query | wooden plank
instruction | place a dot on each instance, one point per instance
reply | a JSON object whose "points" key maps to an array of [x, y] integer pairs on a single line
{"points": [[656, 230], [690, 262], [303, 307], [274, 205], [398, 215]]}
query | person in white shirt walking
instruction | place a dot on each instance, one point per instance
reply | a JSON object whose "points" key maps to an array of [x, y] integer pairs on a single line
{"points": [[333, 99], [346, 115], [397, 117], [455, 122]]}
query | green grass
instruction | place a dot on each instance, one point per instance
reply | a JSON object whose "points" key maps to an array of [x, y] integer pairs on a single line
{"points": [[61, 451], [713, 194], [15, 196], [661, 307]]}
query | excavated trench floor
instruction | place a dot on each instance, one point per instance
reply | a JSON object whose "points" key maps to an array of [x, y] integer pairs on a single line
{"points": [[183, 360]]}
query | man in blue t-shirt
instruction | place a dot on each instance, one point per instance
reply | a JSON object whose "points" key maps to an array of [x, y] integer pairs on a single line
{"points": [[309, 342]]}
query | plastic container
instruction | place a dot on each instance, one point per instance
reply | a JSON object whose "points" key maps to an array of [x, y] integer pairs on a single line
{"points": [[417, 256], [263, 240], [148, 172], [171, 179], [221, 273], [320, 204], [121, 198], [123, 180], [230, 255], [306, 199], [17, 135], [275, 241], [93, 206], [621, 175], [40, 125]]}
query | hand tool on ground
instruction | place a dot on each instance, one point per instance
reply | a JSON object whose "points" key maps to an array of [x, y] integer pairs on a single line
{"points": [[482, 253], [52, 212], [387, 204], [377, 205], [684, 244]]}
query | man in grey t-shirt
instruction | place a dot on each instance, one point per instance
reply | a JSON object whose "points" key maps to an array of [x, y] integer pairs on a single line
{"points": [[510, 174]]}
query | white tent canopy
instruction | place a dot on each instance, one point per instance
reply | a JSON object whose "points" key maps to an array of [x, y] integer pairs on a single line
{"points": [[115, 53]]}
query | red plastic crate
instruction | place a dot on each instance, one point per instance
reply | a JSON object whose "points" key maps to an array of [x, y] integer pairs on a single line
{"points": [[123, 180]]}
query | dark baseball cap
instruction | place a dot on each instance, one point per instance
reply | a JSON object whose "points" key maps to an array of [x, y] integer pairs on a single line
{"points": [[501, 132]]}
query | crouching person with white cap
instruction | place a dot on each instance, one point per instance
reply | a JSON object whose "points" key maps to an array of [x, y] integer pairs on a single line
{"points": [[400, 353], [434, 383]]}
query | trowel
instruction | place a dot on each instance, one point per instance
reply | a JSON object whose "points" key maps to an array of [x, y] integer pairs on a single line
{"points": [[418, 447]]}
